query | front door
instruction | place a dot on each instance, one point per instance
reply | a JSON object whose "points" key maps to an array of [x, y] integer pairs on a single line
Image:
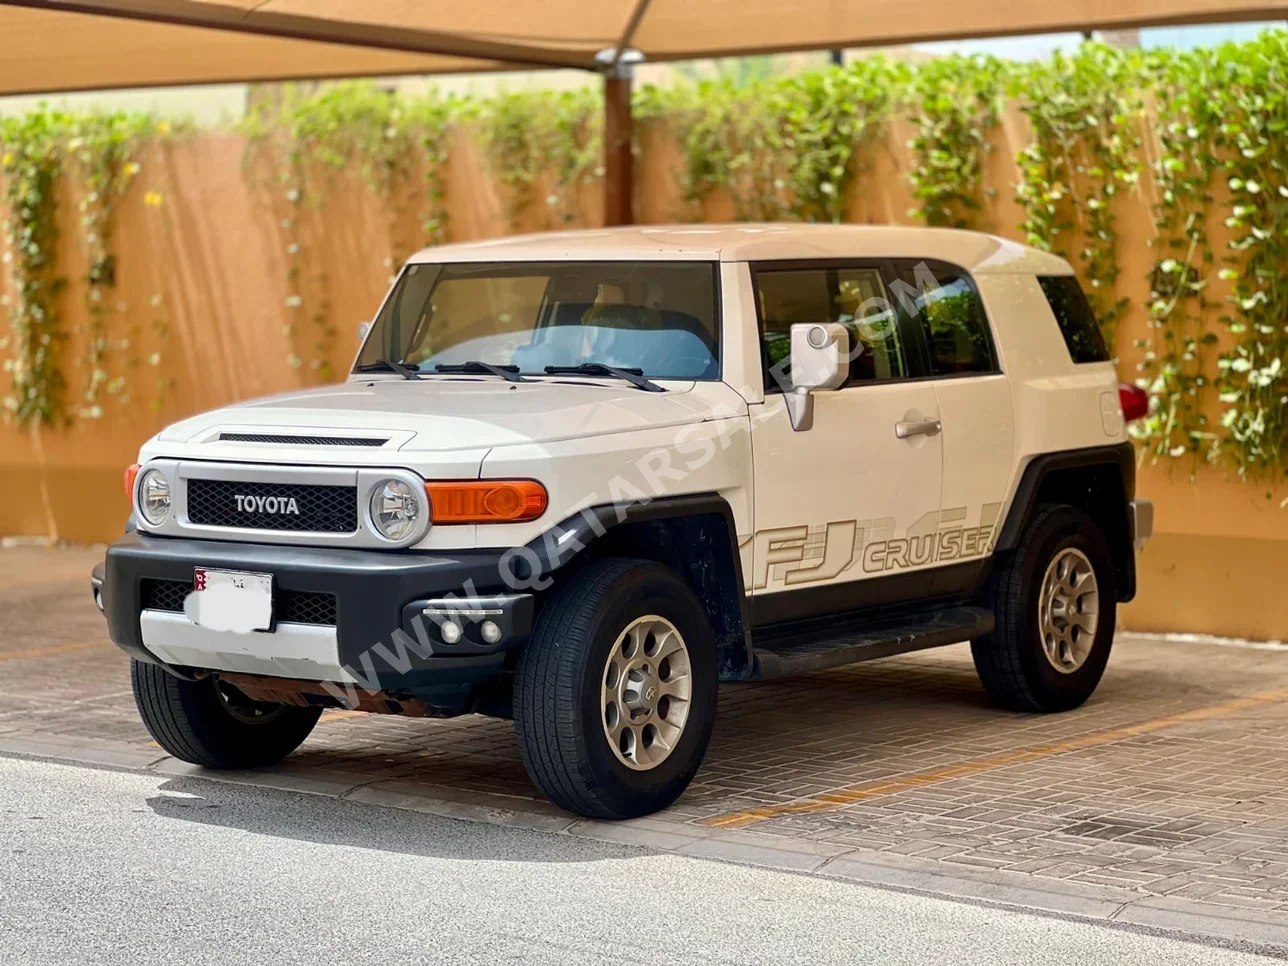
{"points": [[846, 512]]}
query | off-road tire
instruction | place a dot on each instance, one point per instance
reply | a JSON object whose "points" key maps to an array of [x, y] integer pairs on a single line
{"points": [[1011, 662], [191, 721], [558, 682]]}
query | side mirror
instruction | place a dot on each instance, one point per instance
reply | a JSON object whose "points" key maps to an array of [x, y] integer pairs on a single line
{"points": [[820, 362], [363, 329]]}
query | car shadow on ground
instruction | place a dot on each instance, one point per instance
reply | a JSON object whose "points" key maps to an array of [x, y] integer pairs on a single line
{"points": [[948, 698], [332, 822], [860, 714], [838, 717]]}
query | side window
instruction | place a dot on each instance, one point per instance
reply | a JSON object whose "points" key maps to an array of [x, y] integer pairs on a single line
{"points": [[1075, 317], [854, 296], [952, 317]]}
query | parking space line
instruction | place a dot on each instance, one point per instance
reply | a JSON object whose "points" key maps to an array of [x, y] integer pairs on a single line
{"points": [[53, 649], [340, 714], [891, 786]]}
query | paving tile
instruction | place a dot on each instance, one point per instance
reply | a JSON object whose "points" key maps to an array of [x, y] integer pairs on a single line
{"points": [[1193, 810]]}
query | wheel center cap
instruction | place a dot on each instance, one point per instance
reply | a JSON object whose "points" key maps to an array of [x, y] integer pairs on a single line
{"points": [[639, 690]]}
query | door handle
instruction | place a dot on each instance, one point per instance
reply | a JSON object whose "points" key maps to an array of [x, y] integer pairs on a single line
{"points": [[917, 427]]}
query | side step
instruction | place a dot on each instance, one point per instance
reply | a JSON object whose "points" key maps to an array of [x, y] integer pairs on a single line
{"points": [[785, 656]]}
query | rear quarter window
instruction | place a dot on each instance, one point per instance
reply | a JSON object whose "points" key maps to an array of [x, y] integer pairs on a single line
{"points": [[1075, 317]]}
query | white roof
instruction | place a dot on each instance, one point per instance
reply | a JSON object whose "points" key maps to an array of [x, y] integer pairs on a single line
{"points": [[977, 252]]}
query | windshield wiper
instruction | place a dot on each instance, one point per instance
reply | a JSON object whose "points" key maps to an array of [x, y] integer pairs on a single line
{"points": [[508, 373], [632, 375], [390, 366]]}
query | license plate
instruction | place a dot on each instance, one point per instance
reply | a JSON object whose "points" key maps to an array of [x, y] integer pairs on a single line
{"points": [[249, 595]]}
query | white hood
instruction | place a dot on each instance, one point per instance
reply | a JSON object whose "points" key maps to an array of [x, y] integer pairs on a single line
{"points": [[439, 414]]}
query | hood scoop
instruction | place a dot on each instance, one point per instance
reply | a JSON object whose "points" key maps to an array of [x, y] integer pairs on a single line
{"points": [[302, 440]]}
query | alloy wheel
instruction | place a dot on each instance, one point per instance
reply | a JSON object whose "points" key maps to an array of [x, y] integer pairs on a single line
{"points": [[645, 698], [1068, 610]]}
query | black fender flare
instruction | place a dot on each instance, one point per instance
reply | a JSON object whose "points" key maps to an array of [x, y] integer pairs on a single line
{"points": [[1119, 460], [562, 544]]}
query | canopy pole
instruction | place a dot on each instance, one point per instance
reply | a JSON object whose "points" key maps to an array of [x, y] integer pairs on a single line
{"points": [[619, 162], [618, 64]]}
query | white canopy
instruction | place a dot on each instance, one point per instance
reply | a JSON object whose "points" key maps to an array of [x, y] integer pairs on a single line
{"points": [[50, 45]]}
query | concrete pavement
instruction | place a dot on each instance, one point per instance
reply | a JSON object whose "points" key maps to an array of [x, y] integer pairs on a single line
{"points": [[119, 868]]}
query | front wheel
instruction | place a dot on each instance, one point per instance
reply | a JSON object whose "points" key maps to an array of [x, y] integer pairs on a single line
{"points": [[1054, 604], [615, 691], [212, 724]]}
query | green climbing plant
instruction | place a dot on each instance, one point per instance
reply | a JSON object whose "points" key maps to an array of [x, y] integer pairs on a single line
{"points": [[396, 144], [955, 103], [101, 157], [576, 143], [826, 119], [536, 139], [270, 127], [709, 130], [32, 153], [783, 147], [1174, 366], [511, 129], [432, 119], [1251, 97], [1085, 111]]}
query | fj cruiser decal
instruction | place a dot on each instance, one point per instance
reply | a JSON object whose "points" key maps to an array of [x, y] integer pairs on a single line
{"points": [[789, 556]]}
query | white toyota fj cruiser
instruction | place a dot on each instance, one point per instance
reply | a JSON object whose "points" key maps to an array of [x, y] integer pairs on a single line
{"points": [[578, 479]]}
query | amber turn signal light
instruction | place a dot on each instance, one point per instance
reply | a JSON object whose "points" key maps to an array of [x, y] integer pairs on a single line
{"points": [[131, 474], [486, 501]]}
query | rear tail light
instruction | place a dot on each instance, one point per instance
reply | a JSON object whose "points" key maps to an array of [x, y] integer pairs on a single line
{"points": [[131, 474], [486, 501], [1134, 401]]}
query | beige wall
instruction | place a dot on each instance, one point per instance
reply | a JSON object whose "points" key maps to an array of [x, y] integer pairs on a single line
{"points": [[215, 250]]}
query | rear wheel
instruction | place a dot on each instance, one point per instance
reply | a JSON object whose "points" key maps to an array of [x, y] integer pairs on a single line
{"points": [[1055, 606], [213, 724], [615, 691]]}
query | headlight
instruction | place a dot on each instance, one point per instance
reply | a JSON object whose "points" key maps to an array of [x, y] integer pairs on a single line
{"points": [[154, 498], [395, 509]]}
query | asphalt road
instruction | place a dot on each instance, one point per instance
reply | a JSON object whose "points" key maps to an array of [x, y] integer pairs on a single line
{"points": [[122, 868]]}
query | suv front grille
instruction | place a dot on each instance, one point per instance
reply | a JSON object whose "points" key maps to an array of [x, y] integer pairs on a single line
{"points": [[321, 509], [289, 606]]}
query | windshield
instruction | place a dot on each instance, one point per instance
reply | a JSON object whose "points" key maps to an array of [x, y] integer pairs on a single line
{"points": [[658, 317]]}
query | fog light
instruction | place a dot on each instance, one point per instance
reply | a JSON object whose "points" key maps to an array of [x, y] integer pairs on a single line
{"points": [[451, 632], [491, 633]]}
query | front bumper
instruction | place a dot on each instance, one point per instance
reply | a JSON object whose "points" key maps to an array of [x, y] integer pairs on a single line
{"points": [[379, 640]]}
